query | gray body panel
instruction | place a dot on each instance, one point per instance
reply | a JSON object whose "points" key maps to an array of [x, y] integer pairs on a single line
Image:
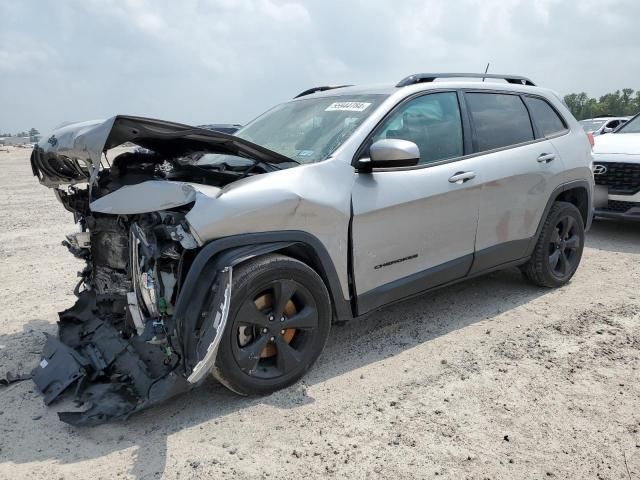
{"points": [[515, 190], [313, 198], [151, 196], [413, 215]]}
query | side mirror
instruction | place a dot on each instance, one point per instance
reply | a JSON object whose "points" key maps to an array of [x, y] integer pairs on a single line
{"points": [[607, 130], [390, 153]]}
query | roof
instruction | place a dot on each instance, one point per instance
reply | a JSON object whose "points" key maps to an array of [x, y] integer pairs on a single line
{"points": [[425, 81], [391, 89]]}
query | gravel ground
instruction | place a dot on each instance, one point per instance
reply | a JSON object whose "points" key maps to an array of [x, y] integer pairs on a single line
{"points": [[491, 378]]}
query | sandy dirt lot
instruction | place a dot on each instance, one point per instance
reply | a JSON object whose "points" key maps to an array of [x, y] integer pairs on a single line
{"points": [[492, 378]]}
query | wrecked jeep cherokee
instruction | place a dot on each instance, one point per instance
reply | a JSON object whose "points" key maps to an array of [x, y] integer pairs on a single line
{"points": [[209, 253]]}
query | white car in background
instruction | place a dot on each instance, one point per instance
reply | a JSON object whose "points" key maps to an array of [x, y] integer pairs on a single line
{"points": [[602, 125], [616, 169]]}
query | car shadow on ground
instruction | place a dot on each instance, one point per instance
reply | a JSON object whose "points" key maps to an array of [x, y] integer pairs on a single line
{"points": [[353, 345], [614, 236]]}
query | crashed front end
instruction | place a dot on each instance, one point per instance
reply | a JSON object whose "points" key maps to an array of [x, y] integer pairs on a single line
{"points": [[133, 337]]}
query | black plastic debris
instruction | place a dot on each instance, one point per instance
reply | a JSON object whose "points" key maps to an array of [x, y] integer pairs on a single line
{"points": [[112, 376], [60, 367], [13, 378]]}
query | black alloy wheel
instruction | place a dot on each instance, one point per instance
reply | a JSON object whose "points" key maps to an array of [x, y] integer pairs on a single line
{"points": [[274, 328], [563, 247], [278, 323], [558, 249]]}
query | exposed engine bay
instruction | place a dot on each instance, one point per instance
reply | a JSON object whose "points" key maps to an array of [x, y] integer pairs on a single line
{"points": [[127, 344]]}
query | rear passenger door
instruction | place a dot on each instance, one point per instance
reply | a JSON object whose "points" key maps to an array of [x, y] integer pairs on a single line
{"points": [[520, 169]]}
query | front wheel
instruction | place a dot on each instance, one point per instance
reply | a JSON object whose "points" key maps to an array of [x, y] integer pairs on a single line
{"points": [[559, 248], [278, 323]]}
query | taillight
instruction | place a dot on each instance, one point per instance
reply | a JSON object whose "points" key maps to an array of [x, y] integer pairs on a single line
{"points": [[592, 142]]}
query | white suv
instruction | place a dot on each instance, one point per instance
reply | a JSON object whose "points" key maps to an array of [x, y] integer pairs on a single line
{"points": [[616, 169], [602, 125]]}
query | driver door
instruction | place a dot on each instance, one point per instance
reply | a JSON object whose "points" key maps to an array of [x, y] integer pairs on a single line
{"points": [[414, 228]]}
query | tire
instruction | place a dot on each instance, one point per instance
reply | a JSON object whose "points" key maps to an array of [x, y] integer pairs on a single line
{"points": [[558, 250], [260, 353]]}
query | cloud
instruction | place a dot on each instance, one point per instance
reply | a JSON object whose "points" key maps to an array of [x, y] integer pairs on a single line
{"points": [[203, 61], [24, 56]]}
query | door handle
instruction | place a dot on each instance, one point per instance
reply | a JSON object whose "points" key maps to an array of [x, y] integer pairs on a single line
{"points": [[462, 177], [546, 157]]}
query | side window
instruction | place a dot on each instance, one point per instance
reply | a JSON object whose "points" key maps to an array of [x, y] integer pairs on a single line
{"points": [[613, 124], [499, 120], [432, 122], [546, 118]]}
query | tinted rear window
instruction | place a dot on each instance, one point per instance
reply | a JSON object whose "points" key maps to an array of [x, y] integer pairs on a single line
{"points": [[544, 116], [499, 120]]}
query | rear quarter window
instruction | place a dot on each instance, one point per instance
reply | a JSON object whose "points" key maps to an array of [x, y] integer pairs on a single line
{"points": [[545, 117], [499, 120]]}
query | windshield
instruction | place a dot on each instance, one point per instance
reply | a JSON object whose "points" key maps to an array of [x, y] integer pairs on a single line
{"points": [[591, 125], [632, 126], [310, 130]]}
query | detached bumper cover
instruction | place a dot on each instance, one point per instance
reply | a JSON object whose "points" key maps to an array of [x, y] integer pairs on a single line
{"points": [[114, 377], [60, 367]]}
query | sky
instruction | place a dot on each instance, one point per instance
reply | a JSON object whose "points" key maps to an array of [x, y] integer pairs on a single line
{"points": [[226, 61]]}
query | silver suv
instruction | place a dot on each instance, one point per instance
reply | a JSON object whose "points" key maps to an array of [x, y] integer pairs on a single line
{"points": [[233, 254]]}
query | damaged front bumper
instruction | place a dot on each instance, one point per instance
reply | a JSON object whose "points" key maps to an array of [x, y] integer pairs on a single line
{"points": [[150, 314], [114, 377]]}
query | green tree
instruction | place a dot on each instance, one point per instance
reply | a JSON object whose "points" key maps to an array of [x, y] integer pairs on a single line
{"points": [[621, 102], [610, 104], [34, 135], [627, 101]]}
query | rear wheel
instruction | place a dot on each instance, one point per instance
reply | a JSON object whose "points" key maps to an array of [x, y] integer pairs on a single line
{"points": [[559, 248], [278, 323]]}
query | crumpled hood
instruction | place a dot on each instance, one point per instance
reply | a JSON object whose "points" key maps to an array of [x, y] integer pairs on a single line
{"points": [[624, 143], [72, 154], [151, 196]]}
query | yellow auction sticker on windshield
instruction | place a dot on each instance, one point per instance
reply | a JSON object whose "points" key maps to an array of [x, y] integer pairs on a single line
{"points": [[347, 107]]}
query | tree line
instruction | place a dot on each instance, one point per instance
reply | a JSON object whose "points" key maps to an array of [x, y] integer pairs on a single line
{"points": [[33, 132], [619, 103]]}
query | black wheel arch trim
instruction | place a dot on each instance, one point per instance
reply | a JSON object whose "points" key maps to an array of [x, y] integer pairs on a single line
{"points": [[236, 248], [553, 198]]}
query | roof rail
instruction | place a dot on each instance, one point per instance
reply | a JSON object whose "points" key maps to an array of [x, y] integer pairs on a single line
{"points": [[320, 89], [430, 77]]}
